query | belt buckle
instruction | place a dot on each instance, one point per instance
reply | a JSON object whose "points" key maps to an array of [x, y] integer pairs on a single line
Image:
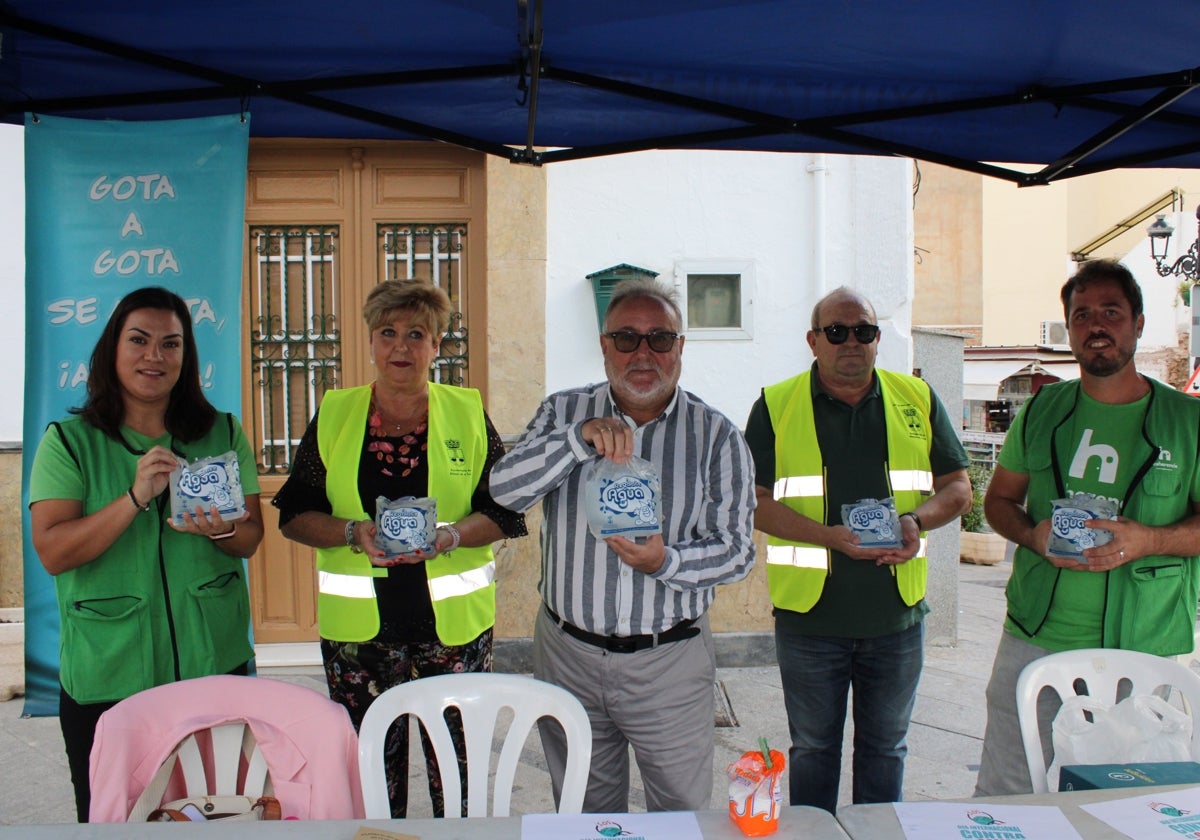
{"points": [[621, 644]]}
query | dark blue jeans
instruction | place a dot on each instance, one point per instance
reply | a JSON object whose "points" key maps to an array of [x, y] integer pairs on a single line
{"points": [[817, 672]]}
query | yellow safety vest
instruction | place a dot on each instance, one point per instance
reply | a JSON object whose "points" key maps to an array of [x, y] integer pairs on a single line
{"points": [[462, 583], [796, 571]]}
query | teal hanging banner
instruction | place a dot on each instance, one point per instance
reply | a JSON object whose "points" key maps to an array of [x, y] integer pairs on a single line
{"points": [[111, 207]]}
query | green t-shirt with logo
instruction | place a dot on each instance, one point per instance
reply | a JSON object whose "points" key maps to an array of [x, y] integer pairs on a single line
{"points": [[1100, 449]]}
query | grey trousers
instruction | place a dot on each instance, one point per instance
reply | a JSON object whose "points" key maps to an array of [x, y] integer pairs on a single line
{"points": [[1002, 767], [659, 701]]}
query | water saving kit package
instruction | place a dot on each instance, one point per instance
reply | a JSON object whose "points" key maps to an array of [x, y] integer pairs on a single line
{"points": [[1068, 534], [622, 500], [875, 522], [405, 524], [210, 482]]}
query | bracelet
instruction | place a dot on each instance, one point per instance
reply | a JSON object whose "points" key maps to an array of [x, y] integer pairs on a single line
{"points": [[225, 535], [142, 507], [455, 537], [915, 518], [353, 546]]}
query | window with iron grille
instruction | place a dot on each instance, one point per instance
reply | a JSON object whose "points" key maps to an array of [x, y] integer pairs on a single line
{"points": [[295, 338], [297, 333], [434, 254]]}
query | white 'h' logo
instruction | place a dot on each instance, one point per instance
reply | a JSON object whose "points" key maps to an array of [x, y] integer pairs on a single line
{"points": [[1106, 454]]}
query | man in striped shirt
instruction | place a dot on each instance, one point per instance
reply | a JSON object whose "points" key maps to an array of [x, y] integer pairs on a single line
{"points": [[623, 624]]}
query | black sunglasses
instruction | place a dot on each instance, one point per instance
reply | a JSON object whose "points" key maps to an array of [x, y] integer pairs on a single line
{"points": [[838, 333], [626, 341]]}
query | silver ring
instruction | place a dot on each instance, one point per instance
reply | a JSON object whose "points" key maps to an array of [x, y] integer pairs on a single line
{"points": [[1121, 553]]}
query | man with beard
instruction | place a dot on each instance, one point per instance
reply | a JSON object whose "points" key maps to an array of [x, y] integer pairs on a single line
{"points": [[1116, 434], [623, 624], [848, 615]]}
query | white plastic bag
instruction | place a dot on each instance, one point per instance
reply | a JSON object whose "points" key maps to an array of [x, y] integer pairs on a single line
{"points": [[1142, 727], [1164, 733]]}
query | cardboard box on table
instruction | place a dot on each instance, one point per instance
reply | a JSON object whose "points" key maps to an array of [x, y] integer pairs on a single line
{"points": [[1133, 774]]}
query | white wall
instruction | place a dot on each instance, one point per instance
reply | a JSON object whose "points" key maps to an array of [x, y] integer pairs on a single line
{"points": [[12, 280], [652, 209]]}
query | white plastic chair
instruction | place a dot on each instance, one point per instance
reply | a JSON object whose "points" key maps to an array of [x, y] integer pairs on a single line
{"points": [[1108, 675], [1192, 656], [479, 697]]}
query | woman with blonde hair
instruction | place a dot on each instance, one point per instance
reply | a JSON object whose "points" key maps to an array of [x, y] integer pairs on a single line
{"points": [[385, 620]]}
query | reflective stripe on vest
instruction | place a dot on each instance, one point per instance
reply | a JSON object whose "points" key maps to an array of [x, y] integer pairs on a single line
{"points": [[799, 486], [463, 583], [918, 481], [346, 586], [810, 557], [800, 556]]}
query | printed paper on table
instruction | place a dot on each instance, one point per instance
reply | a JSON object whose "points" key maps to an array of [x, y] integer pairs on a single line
{"points": [[983, 821]]}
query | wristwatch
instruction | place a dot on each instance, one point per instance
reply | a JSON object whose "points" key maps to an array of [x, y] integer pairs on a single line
{"points": [[915, 518]]}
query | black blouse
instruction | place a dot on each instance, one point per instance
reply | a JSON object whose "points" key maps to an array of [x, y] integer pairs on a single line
{"points": [[405, 611]]}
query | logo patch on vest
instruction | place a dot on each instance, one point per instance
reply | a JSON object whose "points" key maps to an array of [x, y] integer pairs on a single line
{"points": [[454, 454], [912, 420]]}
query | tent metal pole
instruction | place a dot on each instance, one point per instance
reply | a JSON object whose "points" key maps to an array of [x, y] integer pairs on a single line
{"points": [[1100, 140], [532, 40]]}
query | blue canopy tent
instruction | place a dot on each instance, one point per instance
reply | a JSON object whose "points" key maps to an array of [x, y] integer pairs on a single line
{"points": [[1076, 86]]}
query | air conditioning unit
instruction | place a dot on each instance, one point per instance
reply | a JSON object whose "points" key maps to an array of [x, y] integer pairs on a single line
{"points": [[1054, 332]]}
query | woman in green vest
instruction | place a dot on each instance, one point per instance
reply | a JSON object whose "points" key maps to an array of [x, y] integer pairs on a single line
{"points": [[141, 601], [385, 620]]}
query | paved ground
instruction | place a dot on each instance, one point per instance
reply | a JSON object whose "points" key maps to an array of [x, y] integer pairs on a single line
{"points": [[944, 741]]}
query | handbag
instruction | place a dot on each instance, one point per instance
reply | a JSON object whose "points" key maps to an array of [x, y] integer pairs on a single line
{"points": [[199, 808]]}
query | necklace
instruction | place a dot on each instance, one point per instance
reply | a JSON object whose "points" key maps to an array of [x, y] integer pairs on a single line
{"points": [[397, 446], [414, 421]]}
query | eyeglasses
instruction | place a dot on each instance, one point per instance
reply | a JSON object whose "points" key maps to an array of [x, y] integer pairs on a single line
{"points": [[627, 341], [838, 333]]}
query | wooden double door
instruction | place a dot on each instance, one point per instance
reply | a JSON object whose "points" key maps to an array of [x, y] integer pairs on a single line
{"points": [[325, 222]]}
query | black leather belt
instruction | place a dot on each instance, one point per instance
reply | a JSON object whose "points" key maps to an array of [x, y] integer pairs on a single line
{"points": [[628, 644]]}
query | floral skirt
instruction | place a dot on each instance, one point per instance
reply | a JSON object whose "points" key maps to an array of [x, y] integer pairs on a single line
{"points": [[358, 672]]}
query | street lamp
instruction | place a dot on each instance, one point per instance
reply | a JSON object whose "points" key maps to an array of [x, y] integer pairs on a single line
{"points": [[1186, 267], [1160, 236]]}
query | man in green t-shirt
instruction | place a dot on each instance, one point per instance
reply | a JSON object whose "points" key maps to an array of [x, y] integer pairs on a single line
{"points": [[1114, 434]]}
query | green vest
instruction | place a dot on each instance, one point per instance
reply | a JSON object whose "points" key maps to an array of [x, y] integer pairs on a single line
{"points": [[158, 605], [462, 583], [796, 571], [1150, 604]]}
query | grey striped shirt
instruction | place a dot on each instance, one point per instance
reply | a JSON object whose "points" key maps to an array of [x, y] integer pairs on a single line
{"points": [[708, 502]]}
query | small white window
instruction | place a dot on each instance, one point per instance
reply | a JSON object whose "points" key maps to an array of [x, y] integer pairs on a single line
{"points": [[717, 298]]}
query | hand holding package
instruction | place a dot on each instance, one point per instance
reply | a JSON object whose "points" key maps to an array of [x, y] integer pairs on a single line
{"points": [[874, 522], [405, 525], [622, 500], [210, 482]]}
